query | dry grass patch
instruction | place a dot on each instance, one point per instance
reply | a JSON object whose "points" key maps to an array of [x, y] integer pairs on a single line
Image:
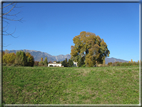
{"points": [[83, 72]]}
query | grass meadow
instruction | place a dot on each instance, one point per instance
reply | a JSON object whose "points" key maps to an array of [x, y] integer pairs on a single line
{"points": [[71, 85]]}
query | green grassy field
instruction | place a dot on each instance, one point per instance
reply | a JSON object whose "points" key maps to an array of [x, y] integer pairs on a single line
{"points": [[60, 85]]}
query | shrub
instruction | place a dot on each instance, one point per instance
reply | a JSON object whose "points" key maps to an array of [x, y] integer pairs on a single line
{"points": [[36, 63], [64, 64], [118, 64], [41, 63], [84, 65], [45, 65], [21, 58], [110, 64]]}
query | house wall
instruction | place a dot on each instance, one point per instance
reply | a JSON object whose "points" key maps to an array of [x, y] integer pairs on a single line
{"points": [[54, 64], [75, 63]]}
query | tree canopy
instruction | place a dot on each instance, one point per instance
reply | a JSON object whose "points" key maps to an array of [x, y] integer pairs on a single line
{"points": [[89, 47]]}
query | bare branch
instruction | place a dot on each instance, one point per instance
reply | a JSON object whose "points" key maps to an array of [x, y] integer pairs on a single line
{"points": [[9, 10], [6, 45], [20, 20], [11, 34], [8, 5], [13, 14], [7, 16]]}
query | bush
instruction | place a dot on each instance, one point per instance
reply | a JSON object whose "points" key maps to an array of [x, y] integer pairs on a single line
{"points": [[115, 64], [110, 64], [84, 65], [45, 65], [118, 64], [41, 63], [36, 63]]}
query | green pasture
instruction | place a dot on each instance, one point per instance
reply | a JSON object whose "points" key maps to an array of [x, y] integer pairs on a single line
{"points": [[70, 85]]}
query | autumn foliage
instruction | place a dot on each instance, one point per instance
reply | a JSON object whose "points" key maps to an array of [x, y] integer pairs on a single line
{"points": [[30, 59], [41, 63], [9, 58], [20, 58], [89, 46]]}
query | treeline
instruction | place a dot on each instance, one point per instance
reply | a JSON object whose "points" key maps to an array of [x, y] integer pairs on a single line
{"points": [[22, 58], [19, 59], [26, 59], [130, 63]]}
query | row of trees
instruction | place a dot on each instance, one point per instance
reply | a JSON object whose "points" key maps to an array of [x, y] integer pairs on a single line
{"points": [[26, 59], [130, 63], [20, 58]]}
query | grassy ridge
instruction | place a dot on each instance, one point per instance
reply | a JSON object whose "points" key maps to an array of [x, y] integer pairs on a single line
{"points": [[55, 85]]}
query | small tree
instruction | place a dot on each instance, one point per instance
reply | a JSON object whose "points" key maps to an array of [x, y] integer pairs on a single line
{"points": [[46, 61], [42, 59], [21, 58], [30, 59], [131, 61], [41, 62], [70, 63], [64, 63]]}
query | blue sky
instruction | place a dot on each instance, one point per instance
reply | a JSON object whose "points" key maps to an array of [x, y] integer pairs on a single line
{"points": [[50, 27]]}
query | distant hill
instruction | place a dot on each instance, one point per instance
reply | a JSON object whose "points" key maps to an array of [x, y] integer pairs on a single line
{"points": [[38, 54]]}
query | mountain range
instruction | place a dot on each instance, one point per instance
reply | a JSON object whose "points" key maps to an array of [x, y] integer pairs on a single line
{"points": [[38, 54]]}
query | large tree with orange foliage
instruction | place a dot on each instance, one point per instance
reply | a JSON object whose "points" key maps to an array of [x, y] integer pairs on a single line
{"points": [[89, 47]]}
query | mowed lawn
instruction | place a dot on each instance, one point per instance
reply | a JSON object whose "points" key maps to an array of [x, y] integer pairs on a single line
{"points": [[71, 85]]}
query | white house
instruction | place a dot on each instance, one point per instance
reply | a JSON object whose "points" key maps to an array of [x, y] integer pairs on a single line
{"points": [[54, 64]]}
